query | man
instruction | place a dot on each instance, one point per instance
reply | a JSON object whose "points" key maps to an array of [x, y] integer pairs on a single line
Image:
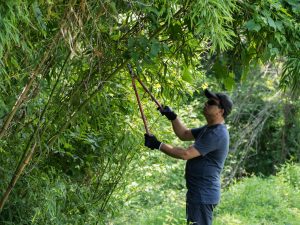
{"points": [[205, 158]]}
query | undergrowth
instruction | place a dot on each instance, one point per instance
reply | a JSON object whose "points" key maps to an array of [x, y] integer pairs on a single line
{"points": [[251, 201]]}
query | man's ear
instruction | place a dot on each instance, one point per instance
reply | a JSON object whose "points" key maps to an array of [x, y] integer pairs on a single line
{"points": [[222, 111]]}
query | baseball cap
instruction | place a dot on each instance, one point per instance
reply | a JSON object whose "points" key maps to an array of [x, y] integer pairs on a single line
{"points": [[225, 101]]}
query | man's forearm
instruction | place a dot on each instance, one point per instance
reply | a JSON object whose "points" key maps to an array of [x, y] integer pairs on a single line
{"points": [[175, 152], [179, 128]]}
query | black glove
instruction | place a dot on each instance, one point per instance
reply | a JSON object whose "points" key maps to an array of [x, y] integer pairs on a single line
{"points": [[167, 111], [151, 141]]}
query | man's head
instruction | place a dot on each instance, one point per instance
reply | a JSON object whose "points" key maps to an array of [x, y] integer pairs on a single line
{"points": [[217, 104]]}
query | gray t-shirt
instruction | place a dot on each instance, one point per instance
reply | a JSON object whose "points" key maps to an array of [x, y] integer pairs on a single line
{"points": [[203, 173]]}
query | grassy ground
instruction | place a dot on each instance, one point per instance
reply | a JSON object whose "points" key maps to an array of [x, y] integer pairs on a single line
{"points": [[254, 200]]}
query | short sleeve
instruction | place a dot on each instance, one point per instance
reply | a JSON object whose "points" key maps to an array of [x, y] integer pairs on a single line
{"points": [[196, 131], [208, 142]]}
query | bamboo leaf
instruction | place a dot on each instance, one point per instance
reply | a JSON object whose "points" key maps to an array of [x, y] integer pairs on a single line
{"points": [[271, 22], [155, 48], [251, 25], [187, 75]]}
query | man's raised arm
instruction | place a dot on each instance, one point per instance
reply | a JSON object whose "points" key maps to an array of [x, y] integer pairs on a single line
{"points": [[181, 131]]}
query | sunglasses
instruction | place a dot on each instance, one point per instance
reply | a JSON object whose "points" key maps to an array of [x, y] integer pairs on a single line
{"points": [[212, 102]]}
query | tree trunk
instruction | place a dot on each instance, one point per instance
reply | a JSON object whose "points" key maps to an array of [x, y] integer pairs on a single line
{"points": [[288, 114]]}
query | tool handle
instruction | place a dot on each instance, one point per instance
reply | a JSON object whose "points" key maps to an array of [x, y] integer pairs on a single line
{"points": [[143, 85], [140, 106], [147, 90], [138, 99]]}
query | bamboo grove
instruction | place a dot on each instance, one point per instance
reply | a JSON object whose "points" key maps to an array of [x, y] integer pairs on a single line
{"points": [[65, 96]]}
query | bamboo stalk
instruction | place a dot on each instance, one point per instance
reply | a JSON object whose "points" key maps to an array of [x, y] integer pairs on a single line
{"points": [[28, 155], [17, 105], [16, 176], [23, 94], [94, 93], [22, 97], [83, 104]]}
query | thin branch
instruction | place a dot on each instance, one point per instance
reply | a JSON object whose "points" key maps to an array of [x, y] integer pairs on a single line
{"points": [[250, 132], [27, 155], [33, 76]]}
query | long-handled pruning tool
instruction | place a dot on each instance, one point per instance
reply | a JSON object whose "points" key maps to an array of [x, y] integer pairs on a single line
{"points": [[133, 78]]}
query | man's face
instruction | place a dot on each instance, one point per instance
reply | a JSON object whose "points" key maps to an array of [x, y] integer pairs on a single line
{"points": [[212, 108]]}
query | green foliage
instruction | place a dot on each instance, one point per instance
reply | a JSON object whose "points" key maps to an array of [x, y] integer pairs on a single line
{"points": [[264, 31], [289, 173], [59, 201], [69, 60], [211, 21], [11, 13], [256, 200], [290, 74], [252, 200], [155, 192]]}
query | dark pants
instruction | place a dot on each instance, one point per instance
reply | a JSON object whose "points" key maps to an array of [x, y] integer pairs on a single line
{"points": [[199, 214]]}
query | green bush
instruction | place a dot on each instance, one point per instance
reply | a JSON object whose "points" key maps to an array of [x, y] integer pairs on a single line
{"points": [[251, 201], [256, 200]]}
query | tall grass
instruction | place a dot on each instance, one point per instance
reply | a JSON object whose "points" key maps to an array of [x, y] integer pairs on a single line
{"points": [[251, 201]]}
